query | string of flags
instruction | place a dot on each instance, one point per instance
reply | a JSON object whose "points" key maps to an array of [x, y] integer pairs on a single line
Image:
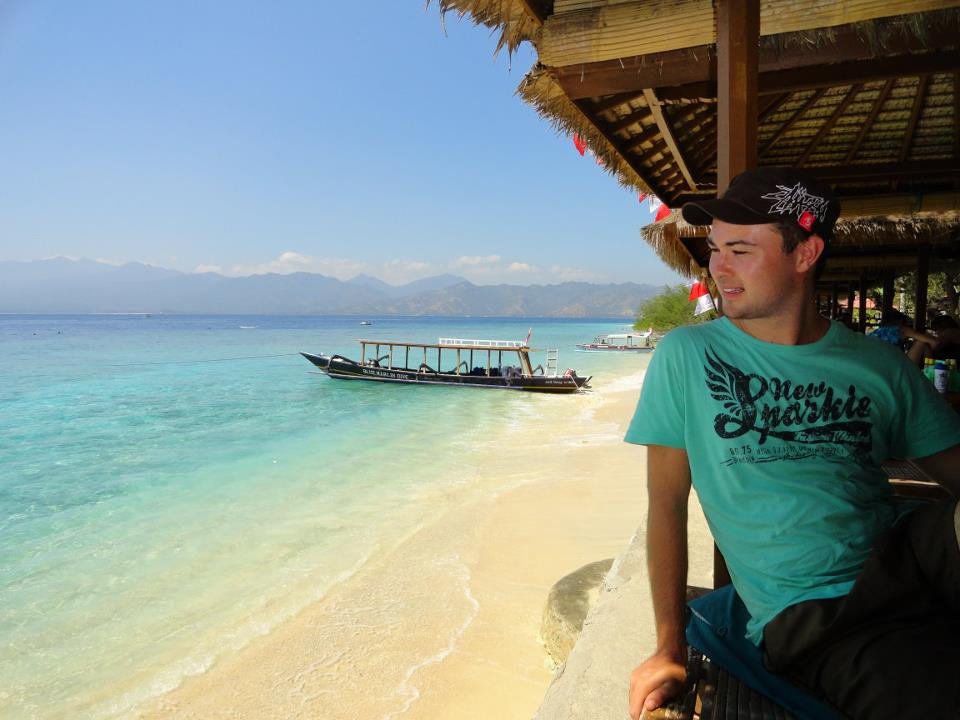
{"points": [[657, 208], [701, 293]]}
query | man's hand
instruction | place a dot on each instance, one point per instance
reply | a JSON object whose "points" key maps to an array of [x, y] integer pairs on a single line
{"points": [[657, 680]]}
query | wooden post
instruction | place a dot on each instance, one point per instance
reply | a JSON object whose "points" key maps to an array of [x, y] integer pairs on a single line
{"points": [[834, 301], [923, 276], [738, 43], [887, 304], [863, 301]]}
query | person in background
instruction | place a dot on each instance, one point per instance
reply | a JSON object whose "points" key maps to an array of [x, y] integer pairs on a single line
{"points": [[947, 332], [780, 420], [895, 328]]}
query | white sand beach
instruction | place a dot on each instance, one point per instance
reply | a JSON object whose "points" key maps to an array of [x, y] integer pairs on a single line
{"points": [[446, 623]]}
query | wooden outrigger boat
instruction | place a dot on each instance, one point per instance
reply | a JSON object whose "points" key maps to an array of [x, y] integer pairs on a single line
{"points": [[452, 361], [621, 342]]}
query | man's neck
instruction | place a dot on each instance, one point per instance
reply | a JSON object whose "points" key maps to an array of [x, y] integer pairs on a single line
{"points": [[801, 329]]}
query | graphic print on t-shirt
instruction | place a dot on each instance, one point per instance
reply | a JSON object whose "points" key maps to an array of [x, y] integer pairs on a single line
{"points": [[811, 419]]}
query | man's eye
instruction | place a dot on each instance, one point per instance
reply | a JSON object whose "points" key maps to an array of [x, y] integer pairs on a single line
{"points": [[739, 252]]}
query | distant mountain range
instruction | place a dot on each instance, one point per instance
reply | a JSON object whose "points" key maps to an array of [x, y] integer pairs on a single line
{"points": [[62, 285]]}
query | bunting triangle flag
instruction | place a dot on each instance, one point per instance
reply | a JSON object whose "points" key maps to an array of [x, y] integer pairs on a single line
{"points": [[659, 210], [580, 144], [701, 293], [641, 197]]}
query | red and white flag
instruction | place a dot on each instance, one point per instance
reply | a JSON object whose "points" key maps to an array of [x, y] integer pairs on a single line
{"points": [[579, 143], [701, 293], [641, 197], [659, 210]]}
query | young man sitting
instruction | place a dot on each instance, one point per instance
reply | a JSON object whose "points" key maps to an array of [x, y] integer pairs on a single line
{"points": [[779, 419]]}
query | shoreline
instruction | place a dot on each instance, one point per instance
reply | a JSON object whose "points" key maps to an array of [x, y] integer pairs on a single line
{"points": [[446, 624]]}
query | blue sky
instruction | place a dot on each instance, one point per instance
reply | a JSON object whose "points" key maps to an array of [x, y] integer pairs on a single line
{"points": [[337, 138]]}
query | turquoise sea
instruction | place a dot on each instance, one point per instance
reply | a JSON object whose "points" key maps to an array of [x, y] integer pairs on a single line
{"points": [[173, 486]]}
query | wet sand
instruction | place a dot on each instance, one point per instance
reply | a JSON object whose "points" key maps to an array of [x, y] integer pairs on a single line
{"points": [[445, 623]]}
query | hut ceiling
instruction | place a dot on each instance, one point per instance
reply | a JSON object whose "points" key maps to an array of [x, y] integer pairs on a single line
{"points": [[865, 95]]}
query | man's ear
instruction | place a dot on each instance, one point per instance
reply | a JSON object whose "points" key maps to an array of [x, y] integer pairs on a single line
{"points": [[808, 252]]}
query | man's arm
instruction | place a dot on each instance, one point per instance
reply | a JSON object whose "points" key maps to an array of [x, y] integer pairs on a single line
{"points": [[661, 675], [944, 467]]}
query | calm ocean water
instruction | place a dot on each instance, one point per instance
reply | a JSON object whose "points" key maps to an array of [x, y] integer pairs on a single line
{"points": [[172, 487]]}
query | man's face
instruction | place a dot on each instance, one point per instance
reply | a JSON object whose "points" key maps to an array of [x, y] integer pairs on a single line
{"points": [[752, 273]]}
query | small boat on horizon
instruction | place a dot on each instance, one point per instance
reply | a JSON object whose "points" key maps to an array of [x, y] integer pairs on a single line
{"points": [[366, 322], [453, 361], [621, 342]]}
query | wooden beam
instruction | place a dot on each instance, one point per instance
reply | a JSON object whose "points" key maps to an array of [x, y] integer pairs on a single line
{"points": [[631, 75], [667, 132], [859, 71], [828, 125], [956, 114], [923, 277], [884, 172], [888, 279], [738, 39], [863, 302], [868, 123], [784, 63], [918, 101]]}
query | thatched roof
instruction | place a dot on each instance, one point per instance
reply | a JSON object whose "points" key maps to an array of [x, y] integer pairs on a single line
{"points": [[862, 244], [864, 95], [517, 20]]}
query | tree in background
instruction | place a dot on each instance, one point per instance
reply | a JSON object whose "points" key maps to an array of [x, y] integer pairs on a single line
{"points": [[668, 310]]}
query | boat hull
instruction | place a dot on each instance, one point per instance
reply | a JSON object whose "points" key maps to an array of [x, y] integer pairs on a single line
{"points": [[590, 347], [343, 368]]}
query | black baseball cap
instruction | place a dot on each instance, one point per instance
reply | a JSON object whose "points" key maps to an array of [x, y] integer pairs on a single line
{"points": [[771, 195]]}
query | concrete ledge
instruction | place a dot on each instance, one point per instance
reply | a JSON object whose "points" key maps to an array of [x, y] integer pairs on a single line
{"points": [[619, 632]]}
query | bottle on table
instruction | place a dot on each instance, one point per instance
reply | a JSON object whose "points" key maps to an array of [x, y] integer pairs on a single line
{"points": [[941, 377]]}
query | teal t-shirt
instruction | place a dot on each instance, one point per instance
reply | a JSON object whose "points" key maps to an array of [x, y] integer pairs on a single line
{"points": [[785, 444]]}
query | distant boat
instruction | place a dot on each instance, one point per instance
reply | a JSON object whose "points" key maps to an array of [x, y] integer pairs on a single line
{"points": [[366, 322], [621, 342], [471, 363], [248, 327]]}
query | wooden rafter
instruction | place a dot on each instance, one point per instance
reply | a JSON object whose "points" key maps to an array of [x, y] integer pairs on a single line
{"points": [[706, 149], [828, 125], [956, 114], [667, 132], [868, 123], [614, 101], [918, 101], [647, 135], [791, 120], [586, 109], [627, 120]]}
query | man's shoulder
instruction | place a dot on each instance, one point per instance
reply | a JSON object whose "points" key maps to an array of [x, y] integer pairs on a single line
{"points": [[697, 334]]}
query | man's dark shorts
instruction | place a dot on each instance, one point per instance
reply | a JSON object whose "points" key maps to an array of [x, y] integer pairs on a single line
{"points": [[891, 648]]}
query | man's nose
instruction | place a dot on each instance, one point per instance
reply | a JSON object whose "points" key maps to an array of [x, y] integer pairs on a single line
{"points": [[718, 263]]}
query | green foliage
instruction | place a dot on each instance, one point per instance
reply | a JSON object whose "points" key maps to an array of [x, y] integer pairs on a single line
{"points": [[670, 309]]}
